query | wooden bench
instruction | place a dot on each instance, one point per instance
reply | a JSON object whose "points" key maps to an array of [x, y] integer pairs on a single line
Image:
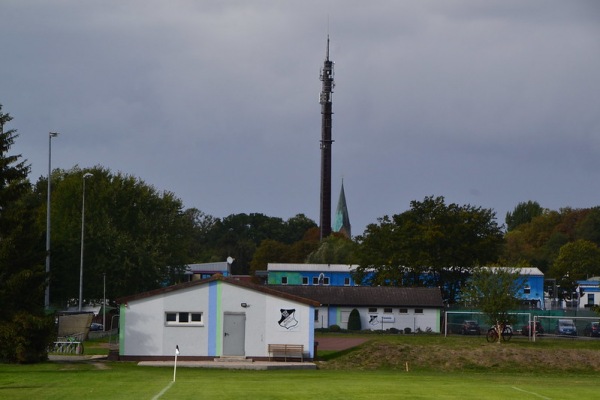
{"points": [[287, 350]]}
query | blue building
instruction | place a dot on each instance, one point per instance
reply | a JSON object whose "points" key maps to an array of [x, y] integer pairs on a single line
{"points": [[532, 293], [195, 272], [588, 292], [311, 274]]}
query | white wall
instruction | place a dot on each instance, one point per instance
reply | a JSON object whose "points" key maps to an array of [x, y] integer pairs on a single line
{"points": [[144, 332], [430, 318]]}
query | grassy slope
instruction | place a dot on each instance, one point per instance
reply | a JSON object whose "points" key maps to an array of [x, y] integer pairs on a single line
{"points": [[459, 354]]}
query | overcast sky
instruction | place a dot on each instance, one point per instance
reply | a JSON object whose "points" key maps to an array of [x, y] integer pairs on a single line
{"points": [[487, 103]]}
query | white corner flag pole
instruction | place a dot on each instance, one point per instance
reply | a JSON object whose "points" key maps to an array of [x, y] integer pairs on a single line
{"points": [[175, 365]]}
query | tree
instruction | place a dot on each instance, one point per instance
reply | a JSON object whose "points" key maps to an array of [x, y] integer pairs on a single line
{"points": [[240, 235], [589, 227], [335, 249], [139, 237], [531, 242], [494, 291], [522, 214], [432, 244], [577, 260], [25, 330], [539, 241], [200, 250], [354, 323], [269, 251]]}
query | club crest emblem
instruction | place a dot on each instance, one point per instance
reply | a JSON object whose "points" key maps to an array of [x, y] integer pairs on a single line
{"points": [[373, 320], [288, 318]]}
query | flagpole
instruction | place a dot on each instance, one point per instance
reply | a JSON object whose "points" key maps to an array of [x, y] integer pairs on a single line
{"points": [[175, 365]]}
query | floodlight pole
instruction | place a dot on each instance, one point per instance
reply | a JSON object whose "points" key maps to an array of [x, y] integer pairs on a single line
{"points": [[85, 176], [47, 291], [104, 302]]}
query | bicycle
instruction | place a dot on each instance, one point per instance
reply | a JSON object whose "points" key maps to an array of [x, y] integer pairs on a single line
{"points": [[492, 334]]}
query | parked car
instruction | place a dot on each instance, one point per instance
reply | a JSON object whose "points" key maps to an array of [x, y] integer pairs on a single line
{"points": [[470, 327], [96, 327], [566, 327], [539, 330], [592, 329]]}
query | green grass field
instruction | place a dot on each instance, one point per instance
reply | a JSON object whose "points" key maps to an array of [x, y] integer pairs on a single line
{"points": [[342, 377]]}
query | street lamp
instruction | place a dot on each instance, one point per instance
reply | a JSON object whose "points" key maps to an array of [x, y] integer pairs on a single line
{"points": [[104, 301], [47, 293], [85, 176]]}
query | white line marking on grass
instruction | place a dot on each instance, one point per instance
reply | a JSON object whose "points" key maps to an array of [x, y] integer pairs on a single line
{"points": [[533, 393], [158, 396]]}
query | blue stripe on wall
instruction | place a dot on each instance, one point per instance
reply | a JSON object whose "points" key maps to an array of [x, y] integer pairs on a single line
{"points": [[311, 331], [212, 319], [332, 316]]}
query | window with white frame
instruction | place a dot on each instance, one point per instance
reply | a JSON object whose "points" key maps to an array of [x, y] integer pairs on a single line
{"points": [[284, 280], [387, 310], [325, 281], [184, 318], [315, 280], [305, 280], [403, 311], [418, 311], [346, 281], [372, 309]]}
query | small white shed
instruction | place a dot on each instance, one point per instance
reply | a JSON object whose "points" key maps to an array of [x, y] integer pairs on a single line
{"points": [[212, 318]]}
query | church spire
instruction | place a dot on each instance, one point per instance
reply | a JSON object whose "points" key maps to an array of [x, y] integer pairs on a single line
{"points": [[341, 223]]}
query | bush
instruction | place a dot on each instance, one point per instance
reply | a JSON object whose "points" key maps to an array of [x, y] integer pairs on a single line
{"points": [[335, 328], [394, 330], [26, 338], [407, 330], [354, 323]]}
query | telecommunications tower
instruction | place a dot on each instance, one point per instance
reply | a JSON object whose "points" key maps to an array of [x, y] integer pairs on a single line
{"points": [[326, 142]]}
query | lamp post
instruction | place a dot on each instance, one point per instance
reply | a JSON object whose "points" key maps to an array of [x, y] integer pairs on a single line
{"points": [[104, 301], [47, 293], [85, 176]]}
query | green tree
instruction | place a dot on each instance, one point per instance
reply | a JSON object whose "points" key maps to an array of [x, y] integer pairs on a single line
{"points": [[531, 241], [589, 227], [200, 250], [432, 244], [577, 260], [139, 237], [240, 235], [335, 249], [25, 330], [522, 214], [354, 323], [269, 251], [296, 228], [495, 291], [539, 241]]}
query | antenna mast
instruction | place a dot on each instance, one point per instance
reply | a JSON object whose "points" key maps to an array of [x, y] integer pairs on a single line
{"points": [[326, 142]]}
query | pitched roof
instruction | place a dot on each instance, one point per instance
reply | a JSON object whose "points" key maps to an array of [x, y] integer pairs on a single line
{"points": [[241, 283], [367, 295]]}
